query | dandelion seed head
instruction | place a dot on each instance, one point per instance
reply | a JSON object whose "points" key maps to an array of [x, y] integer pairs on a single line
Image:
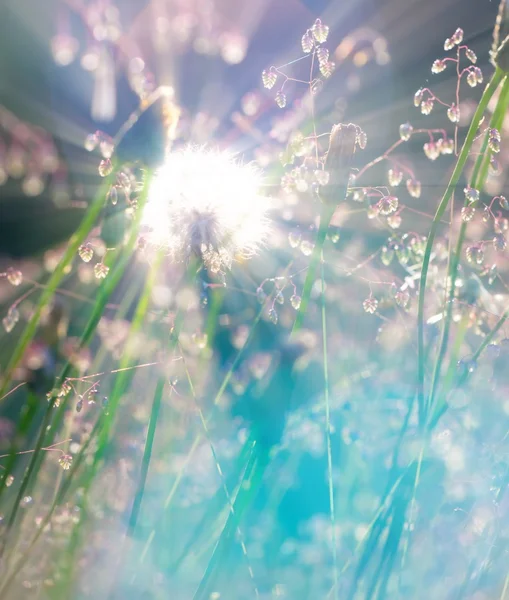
{"points": [[207, 203]]}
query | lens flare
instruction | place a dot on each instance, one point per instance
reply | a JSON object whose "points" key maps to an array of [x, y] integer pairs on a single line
{"points": [[208, 203]]}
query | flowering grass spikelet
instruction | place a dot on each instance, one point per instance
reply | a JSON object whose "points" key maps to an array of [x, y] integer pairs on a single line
{"points": [[205, 202]]}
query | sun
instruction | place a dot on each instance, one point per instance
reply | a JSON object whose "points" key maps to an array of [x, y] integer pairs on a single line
{"points": [[207, 202]]}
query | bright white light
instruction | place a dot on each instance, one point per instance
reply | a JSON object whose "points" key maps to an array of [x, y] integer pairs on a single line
{"points": [[206, 202]]}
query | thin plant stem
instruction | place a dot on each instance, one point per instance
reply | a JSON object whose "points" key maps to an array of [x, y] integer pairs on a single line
{"points": [[58, 274], [477, 182], [105, 291], [460, 164], [328, 435], [325, 219]]}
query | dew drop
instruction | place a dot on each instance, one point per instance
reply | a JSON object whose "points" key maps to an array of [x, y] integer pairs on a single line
{"points": [[113, 195], [405, 131]]}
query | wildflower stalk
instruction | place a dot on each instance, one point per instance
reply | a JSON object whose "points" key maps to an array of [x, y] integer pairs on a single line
{"points": [[122, 383], [328, 435], [460, 164], [442, 407], [58, 274], [253, 478], [78, 459], [216, 504], [59, 497], [477, 181], [325, 219], [147, 454], [103, 295]]}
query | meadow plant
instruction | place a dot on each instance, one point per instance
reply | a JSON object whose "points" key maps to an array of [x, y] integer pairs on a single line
{"points": [[223, 341]]}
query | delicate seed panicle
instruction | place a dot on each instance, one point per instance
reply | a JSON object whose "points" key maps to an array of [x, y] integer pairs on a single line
{"points": [[475, 254], [294, 238], [438, 66], [431, 150], [261, 296], [471, 79], [105, 167], [370, 305], [322, 177], [306, 247], [402, 298], [457, 36], [467, 213], [273, 317], [281, 99], [418, 97], [86, 252], [327, 68], [499, 242], [322, 54], [10, 319], [453, 113], [471, 55], [427, 106], [65, 461], [14, 276], [414, 188], [394, 220], [395, 176], [295, 301], [101, 270], [471, 194], [387, 255], [320, 31], [307, 42], [445, 146], [362, 139], [269, 79], [387, 205]]}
